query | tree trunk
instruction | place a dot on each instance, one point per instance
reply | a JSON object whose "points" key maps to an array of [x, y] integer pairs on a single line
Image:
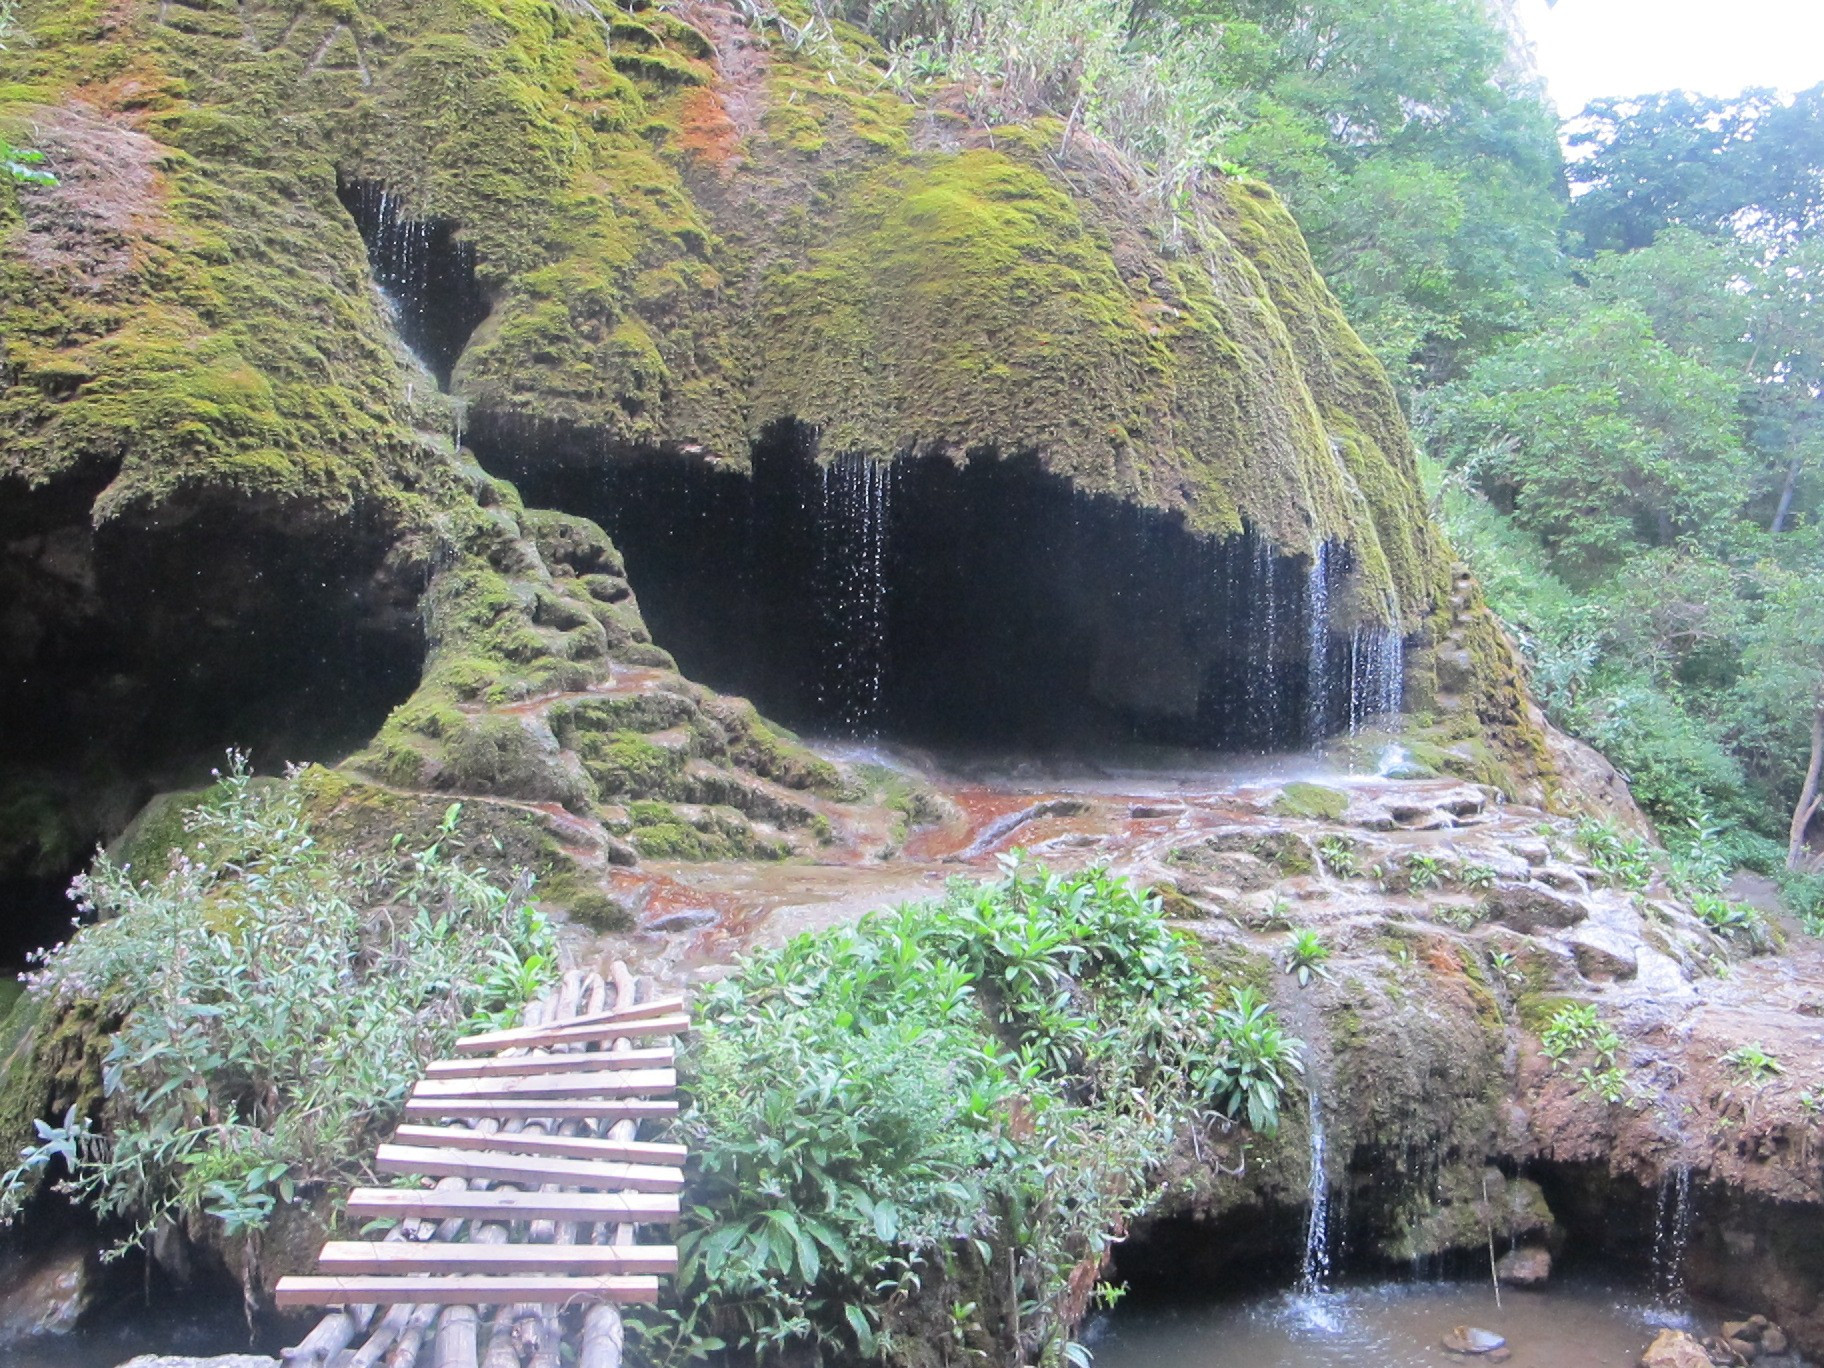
{"points": [[1786, 492], [1807, 806]]}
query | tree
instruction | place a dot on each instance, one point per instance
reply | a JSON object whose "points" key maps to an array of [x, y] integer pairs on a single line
{"points": [[1599, 439], [1782, 693], [1751, 165]]}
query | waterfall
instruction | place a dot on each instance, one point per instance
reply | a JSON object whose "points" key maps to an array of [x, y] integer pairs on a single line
{"points": [[1314, 1273], [1671, 1237], [422, 267], [1317, 644], [1262, 681], [856, 500], [1377, 674]]}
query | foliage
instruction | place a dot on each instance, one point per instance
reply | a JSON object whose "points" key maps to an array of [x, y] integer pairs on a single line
{"points": [[1338, 856], [1753, 1063], [983, 1081], [21, 165], [1729, 918], [1751, 163], [1305, 957], [277, 1002], [1576, 1030], [1575, 1027], [1626, 859]]}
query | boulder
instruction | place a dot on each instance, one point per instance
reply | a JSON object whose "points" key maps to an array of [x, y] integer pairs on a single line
{"points": [[1773, 1340], [1528, 1266], [44, 1294], [1563, 878], [1674, 1349], [1605, 955], [1532, 907]]}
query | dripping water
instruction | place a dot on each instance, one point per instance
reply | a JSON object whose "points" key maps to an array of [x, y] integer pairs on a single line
{"points": [[1377, 675], [855, 502], [1317, 644], [424, 270]]}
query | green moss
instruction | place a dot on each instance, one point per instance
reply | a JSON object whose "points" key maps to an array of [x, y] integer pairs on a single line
{"points": [[1314, 801], [50, 1065]]}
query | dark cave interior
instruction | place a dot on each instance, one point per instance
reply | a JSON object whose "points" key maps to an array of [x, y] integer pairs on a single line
{"points": [[984, 603], [130, 660]]}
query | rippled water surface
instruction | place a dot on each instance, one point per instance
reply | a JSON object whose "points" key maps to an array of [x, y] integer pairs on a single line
{"points": [[1579, 1325]]}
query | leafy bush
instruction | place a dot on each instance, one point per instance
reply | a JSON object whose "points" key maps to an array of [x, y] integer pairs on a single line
{"points": [[977, 1085], [276, 1001]]}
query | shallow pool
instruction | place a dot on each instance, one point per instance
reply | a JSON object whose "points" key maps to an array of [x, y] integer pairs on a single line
{"points": [[1579, 1324]]}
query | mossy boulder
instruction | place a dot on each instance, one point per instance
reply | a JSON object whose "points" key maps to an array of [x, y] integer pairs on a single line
{"points": [[1313, 801], [678, 249]]}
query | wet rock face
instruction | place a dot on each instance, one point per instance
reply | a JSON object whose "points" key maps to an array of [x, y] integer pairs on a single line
{"points": [[44, 1293]]}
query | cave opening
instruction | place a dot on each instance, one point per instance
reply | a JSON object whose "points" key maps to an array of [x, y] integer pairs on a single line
{"points": [[424, 269], [981, 604], [133, 657]]}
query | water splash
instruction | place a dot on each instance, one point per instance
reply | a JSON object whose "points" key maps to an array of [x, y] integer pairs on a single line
{"points": [[856, 497], [1671, 1238]]}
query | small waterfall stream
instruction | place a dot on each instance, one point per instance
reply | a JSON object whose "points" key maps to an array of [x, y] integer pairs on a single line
{"points": [[856, 495], [1377, 675], [1317, 644], [1314, 1272], [1671, 1238]]}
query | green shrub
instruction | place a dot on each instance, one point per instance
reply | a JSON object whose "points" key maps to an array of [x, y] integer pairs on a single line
{"points": [[277, 1002], [978, 1087]]}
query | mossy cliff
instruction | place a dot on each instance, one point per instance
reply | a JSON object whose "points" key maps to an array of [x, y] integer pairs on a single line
{"points": [[685, 232]]}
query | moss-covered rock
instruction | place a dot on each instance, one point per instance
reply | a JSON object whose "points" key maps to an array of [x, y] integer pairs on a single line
{"points": [[682, 239]]}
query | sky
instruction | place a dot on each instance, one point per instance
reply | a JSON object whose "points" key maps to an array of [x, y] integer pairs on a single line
{"points": [[1589, 48]]}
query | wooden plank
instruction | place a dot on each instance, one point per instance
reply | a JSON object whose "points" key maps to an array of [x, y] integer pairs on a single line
{"points": [[633, 1083], [511, 1035], [466, 1290], [527, 1169], [568, 1033], [565, 1146], [340, 1258], [643, 1208], [522, 1109], [658, 1057]]}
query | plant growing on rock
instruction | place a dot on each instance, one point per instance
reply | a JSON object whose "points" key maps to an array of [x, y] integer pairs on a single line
{"points": [[1753, 1064], [1305, 957], [1626, 860], [20, 165], [277, 1001], [1476, 876], [1338, 856], [1425, 871], [1732, 919], [1575, 1029]]}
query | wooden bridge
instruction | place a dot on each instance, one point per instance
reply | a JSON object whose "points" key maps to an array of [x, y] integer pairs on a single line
{"points": [[525, 1236]]}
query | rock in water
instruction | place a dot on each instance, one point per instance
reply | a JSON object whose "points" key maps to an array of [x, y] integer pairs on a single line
{"points": [[225, 1361], [1528, 1266], [1467, 1339], [1674, 1349]]}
